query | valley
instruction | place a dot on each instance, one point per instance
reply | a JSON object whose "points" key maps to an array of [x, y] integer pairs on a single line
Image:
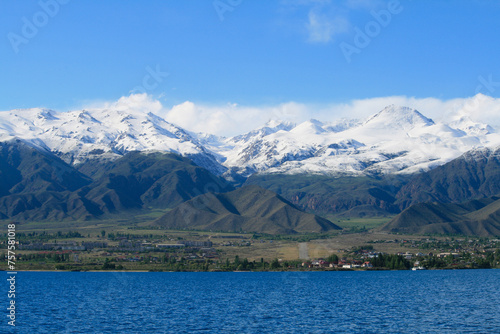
{"points": [[113, 246]]}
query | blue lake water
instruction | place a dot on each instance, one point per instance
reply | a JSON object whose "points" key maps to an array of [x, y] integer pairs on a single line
{"points": [[460, 301]]}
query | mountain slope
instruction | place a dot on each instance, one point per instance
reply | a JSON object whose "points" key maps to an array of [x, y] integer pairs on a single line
{"points": [[394, 140], [347, 196], [475, 174], [250, 209], [477, 217], [25, 169], [37, 185], [158, 180], [103, 134]]}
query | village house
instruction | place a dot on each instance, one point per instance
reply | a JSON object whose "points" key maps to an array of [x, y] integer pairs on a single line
{"points": [[367, 264]]}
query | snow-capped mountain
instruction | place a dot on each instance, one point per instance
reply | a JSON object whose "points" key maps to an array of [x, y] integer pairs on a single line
{"points": [[76, 136], [394, 140]]}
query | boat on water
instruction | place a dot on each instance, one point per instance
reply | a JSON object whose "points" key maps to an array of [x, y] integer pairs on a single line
{"points": [[418, 268]]}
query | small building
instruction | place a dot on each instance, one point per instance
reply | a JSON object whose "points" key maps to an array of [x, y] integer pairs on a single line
{"points": [[170, 246], [367, 264]]}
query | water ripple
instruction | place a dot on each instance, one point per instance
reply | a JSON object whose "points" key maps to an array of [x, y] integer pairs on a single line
{"points": [[312, 302]]}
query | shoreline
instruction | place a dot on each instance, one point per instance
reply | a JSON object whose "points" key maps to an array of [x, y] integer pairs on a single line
{"points": [[240, 271]]}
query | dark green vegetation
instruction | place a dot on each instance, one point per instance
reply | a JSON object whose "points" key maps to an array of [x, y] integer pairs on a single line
{"points": [[456, 253], [249, 209], [456, 198], [477, 217], [36, 185], [391, 261], [471, 176]]}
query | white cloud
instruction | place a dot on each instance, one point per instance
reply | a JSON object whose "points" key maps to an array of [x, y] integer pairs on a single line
{"points": [[230, 119], [327, 19], [233, 119], [479, 108], [322, 28], [138, 102], [134, 102]]}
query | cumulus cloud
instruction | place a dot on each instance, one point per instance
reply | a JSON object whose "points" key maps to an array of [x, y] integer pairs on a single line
{"points": [[230, 119], [322, 28], [134, 102], [233, 119], [480, 108], [138, 102]]}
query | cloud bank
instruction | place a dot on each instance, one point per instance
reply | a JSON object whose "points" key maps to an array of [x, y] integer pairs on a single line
{"points": [[232, 119]]}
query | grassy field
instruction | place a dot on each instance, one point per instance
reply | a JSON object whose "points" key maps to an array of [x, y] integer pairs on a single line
{"points": [[231, 244]]}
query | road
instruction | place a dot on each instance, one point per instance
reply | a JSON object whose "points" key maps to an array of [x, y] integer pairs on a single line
{"points": [[303, 251]]}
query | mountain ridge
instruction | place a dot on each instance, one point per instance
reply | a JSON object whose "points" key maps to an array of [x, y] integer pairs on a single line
{"points": [[477, 217], [393, 140], [37, 185], [249, 209]]}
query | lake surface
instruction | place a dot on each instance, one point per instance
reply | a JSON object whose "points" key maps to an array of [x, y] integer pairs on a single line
{"points": [[460, 301]]}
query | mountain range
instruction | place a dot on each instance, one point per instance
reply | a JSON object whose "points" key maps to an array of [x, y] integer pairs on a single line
{"points": [[91, 164], [37, 185], [393, 140]]}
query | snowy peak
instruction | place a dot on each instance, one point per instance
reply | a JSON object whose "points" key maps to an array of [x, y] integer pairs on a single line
{"points": [[396, 117], [84, 116], [310, 127], [394, 140], [341, 125], [46, 114], [468, 126], [279, 125], [106, 133], [272, 126]]}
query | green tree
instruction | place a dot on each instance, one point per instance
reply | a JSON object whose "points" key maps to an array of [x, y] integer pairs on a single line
{"points": [[333, 258], [245, 264]]}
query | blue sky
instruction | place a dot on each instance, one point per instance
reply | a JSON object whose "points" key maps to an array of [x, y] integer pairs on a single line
{"points": [[246, 52]]}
